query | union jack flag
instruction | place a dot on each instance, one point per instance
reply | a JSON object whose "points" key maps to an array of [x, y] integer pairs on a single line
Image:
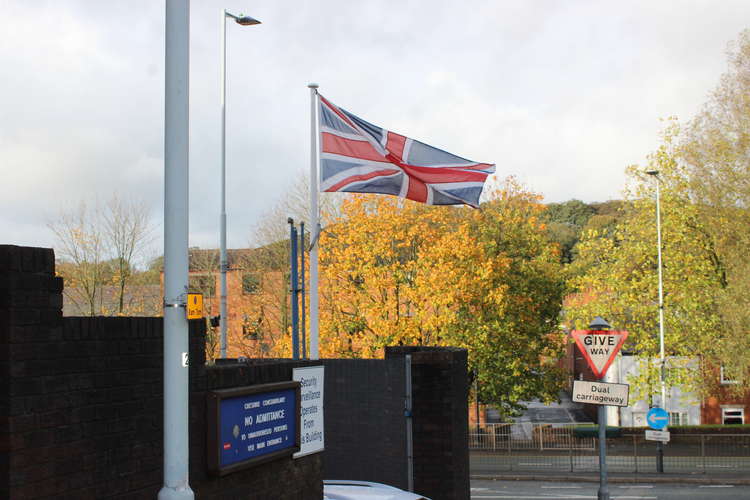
{"points": [[359, 157]]}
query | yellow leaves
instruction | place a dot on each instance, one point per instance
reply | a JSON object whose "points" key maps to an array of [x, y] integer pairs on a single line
{"points": [[395, 271]]}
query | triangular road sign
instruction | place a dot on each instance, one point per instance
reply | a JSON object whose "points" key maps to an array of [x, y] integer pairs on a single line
{"points": [[599, 347]]}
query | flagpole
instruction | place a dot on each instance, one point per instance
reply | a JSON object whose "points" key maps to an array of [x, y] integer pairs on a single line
{"points": [[315, 223]]}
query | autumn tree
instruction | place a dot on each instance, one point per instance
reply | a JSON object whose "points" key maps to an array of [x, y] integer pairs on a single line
{"points": [[398, 272], [268, 312], [99, 247], [81, 247], [127, 228]]}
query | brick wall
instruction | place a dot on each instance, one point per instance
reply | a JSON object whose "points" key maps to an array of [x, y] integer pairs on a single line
{"points": [[81, 401], [440, 421], [81, 406], [364, 418]]}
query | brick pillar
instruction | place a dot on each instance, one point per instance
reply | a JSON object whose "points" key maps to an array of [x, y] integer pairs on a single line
{"points": [[30, 326], [440, 420]]}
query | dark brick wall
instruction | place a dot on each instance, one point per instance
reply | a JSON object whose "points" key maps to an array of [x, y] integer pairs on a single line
{"points": [[81, 407], [81, 401], [365, 428], [440, 424], [286, 478], [365, 424]]}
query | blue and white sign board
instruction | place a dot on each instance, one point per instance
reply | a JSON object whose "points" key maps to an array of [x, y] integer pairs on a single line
{"points": [[657, 418], [312, 436], [251, 425]]}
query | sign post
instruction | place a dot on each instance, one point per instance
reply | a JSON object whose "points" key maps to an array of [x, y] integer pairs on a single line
{"points": [[657, 419], [599, 347]]}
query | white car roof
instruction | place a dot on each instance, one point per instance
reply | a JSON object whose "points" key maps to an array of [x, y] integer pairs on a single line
{"points": [[364, 490]]}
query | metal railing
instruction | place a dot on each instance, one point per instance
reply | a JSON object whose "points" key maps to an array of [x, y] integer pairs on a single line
{"points": [[558, 447], [527, 437]]}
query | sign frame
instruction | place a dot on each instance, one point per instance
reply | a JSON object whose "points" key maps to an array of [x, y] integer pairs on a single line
{"points": [[609, 385], [578, 338], [213, 431]]}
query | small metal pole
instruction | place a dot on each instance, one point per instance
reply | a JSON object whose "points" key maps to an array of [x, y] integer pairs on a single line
{"points": [[603, 493], [635, 452], [541, 437], [302, 286], [409, 437], [510, 449], [294, 287], [570, 454], [660, 457], [703, 452], [476, 393]]}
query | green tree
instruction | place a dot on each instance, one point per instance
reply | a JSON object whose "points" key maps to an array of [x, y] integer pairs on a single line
{"points": [[704, 167], [715, 153], [616, 274]]}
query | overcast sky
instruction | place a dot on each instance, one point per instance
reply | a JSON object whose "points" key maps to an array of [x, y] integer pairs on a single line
{"points": [[562, 94]]}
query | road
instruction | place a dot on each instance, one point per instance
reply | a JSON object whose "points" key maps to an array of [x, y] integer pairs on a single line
{"points": [[536, 490], [495, 463]]}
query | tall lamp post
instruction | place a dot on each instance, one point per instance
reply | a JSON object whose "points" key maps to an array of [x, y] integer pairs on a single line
{"points": [[242, 20], [660, 445]]}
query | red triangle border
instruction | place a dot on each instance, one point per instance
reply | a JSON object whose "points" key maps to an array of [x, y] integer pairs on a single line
{"points": [[577, 334]]}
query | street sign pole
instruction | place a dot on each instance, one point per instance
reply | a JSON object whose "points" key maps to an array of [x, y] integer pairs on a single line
{"points": [[599, 346], [603, 493], [658, 418]]}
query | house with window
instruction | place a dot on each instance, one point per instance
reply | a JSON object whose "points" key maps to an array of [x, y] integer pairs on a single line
{"points": [[726, 405], [684, 408], [723, 406]]}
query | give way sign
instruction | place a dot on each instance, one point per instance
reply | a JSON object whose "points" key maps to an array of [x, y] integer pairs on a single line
{"points": [[599, 347]]}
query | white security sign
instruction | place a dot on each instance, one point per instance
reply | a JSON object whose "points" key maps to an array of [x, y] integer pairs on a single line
{"points": [[662, 436], [600, 393], [312, 439]]}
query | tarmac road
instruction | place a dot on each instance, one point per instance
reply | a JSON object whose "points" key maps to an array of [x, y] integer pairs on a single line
{"points": [[536, 490]]}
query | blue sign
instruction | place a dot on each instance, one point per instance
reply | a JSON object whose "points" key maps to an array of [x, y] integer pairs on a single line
{"points": [[657, 418], [252, 424]]}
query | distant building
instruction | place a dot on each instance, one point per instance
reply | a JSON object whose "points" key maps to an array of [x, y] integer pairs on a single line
{"points": [[258, 299]]}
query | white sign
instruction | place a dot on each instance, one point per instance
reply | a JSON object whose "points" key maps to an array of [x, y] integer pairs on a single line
{"points": [[600, 393], [599, 347], [658, 436], [312, 438]]}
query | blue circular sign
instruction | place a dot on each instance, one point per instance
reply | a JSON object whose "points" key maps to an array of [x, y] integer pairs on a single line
{"points": [[657, 418]]}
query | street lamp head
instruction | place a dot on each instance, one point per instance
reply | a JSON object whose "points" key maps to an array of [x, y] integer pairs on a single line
{"points": [[241, 19], [246, 20], [599, 323], [655, 173]]}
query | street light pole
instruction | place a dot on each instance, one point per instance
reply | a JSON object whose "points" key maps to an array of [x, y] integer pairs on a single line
{"points": [[243, 21], [662, 360], [176, 161]]}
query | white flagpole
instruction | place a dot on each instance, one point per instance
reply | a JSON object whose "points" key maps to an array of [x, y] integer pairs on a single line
{"points": [[315, 222]]}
